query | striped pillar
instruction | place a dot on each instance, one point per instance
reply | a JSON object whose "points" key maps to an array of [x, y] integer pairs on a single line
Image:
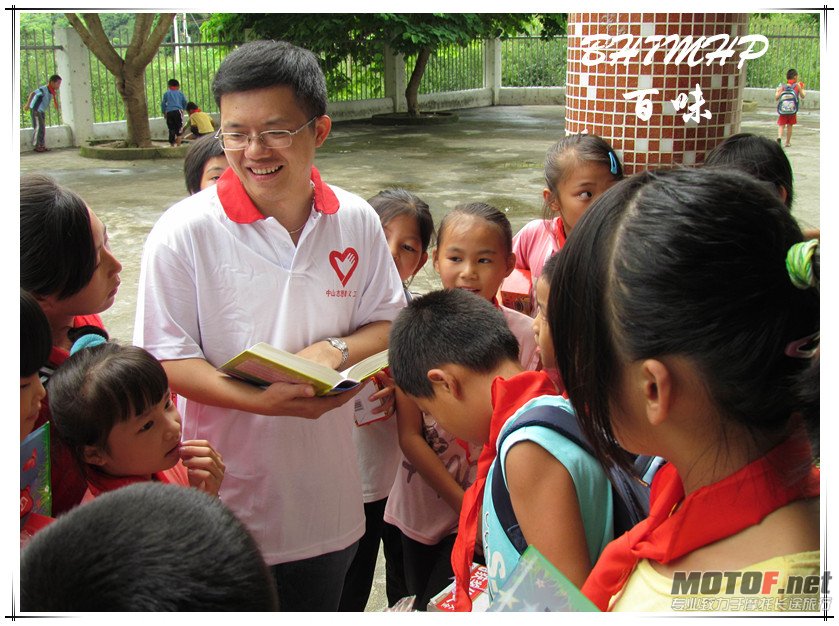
{"points": [[602, 72]]}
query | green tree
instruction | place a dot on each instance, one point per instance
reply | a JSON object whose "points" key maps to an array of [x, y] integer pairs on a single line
{"points": [[129, 73], [360, 35]]}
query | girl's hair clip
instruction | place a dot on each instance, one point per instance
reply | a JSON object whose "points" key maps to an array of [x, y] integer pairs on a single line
{"points": [[613, 163], [800, 263], [804, 348], [87, 341]]}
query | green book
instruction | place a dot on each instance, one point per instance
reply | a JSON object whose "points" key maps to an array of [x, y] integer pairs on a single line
{"points": [[536, 585], [263, 364]]}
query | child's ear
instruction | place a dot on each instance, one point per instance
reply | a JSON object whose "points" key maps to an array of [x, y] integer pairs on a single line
{"points": [[422, 261], [444, 382], [94, 456], [511, 264], [553, 204], [435, 259], [657, 385]]}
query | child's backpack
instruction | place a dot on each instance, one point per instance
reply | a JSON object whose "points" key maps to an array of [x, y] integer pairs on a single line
{"points": [[630, 490], [788, 101]]}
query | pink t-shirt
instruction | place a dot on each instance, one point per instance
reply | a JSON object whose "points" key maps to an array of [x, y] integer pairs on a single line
{"points": [[534, 244]]}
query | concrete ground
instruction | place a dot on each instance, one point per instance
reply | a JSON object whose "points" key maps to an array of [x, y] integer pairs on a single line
{"points": [[493, 155]]}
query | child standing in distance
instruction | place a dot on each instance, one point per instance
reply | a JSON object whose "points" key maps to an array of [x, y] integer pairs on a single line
{"points": [[112, 406], [204, 163], [696, 358], [473, 253], [408, 227], [172, 105], [454, 355], [35, 348], [789, 120], [578, 168]]}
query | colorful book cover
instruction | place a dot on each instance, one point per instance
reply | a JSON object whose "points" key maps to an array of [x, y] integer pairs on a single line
{"points": [[536, 585], [515, 291], [444, 601], [35, 488]]}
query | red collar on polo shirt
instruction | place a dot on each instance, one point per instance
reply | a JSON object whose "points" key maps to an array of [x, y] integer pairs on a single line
{"points": [[239, 207]]}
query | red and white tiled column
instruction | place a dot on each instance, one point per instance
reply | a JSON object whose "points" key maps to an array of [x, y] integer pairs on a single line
{"points": [[595, 93]]}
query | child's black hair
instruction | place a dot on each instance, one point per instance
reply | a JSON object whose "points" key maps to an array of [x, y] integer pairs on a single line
{"points": [[54, 78], [485, 212], [390, 203], [57, 253], [202, 150], [191, 106], [35, 336], [173, 82], [450, 326], [792, 73], [756, 155], [146, 547], [572, 149], [261, 64], [99, 387], [689, 262]]}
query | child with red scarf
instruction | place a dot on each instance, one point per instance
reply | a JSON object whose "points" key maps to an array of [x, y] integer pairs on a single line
{"points": [[788, 121], [683, 322], [112, 406], [454, 356]]}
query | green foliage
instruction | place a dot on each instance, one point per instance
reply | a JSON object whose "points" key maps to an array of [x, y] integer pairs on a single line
{"points": [[793, 42]]}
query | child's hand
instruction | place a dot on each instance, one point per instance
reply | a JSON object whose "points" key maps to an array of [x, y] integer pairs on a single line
{"points": [[386, 393], [204, 464]]}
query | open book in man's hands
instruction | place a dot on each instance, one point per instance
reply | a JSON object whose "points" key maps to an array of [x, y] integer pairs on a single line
{"points": [[262, 364]]}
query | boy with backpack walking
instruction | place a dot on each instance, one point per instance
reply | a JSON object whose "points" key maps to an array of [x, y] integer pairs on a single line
{"points": [[788, 96]]}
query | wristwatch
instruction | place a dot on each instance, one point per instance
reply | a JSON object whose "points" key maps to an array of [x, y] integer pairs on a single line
{"points": [[340, 344]]}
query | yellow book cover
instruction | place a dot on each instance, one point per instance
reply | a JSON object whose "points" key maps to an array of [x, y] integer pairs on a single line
{"points": [[263, 364]]}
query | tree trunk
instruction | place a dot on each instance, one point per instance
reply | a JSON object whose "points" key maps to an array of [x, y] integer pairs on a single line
{"points": [[412, 90], [132, 90]]}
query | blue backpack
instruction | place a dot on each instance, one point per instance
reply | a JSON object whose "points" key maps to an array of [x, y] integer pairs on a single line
{"points": [[630, 490], [788, 101]]}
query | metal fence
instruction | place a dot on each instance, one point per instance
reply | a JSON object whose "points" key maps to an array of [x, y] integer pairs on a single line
{"points": [[451, 68], [533, 62], [794, 47], [37, 64], [526, 62]]}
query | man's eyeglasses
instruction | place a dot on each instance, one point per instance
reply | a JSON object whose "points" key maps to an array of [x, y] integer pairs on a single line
{"points": [[274, 139]]}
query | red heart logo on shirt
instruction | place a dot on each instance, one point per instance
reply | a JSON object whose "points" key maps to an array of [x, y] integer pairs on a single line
{"points": [[344, 264]]}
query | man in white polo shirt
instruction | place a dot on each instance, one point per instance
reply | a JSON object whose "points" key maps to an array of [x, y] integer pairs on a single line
{"points": [[272, 253]]}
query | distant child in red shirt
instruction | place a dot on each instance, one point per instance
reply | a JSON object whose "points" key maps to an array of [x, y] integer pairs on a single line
{"points": [[787, 115], [112, 406]]}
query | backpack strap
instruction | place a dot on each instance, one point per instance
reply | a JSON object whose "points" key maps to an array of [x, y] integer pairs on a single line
{"points": [[630, 490], [556, 419]]}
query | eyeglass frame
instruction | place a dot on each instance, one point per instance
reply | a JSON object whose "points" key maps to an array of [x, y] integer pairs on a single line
{"points": [[286, 133]]}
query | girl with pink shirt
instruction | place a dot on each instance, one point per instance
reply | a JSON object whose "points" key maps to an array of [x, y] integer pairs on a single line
{"points": [[578, 168]]}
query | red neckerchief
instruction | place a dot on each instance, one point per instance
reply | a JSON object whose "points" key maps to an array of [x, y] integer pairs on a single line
{"points": [[707, 515], [54, 95], [196, 110], [99, 482], [561, 235], [508, 396], [239, 207]]}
